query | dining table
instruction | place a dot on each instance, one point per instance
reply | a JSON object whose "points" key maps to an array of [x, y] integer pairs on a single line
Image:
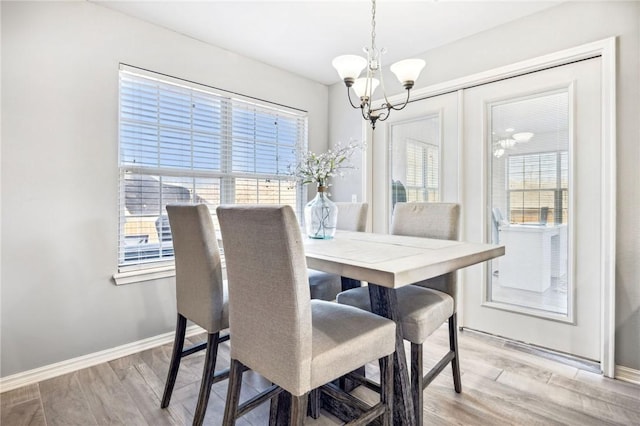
{"points": [[388, 262]]}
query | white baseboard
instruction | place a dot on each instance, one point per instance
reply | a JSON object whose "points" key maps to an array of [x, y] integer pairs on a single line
{"points": [[627, 374], [53, 370]]}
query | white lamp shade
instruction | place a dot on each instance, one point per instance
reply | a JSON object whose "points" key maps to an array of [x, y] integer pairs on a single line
{"points": [[522, 136], [360, 87], [408, 70], [349, 66]]}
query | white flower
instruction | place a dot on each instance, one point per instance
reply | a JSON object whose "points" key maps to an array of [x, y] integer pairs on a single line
{"points": [[319, 168]]}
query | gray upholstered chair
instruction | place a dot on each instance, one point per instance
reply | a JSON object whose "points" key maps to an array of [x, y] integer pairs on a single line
{"points": [[297, 343], [426, 305], [200, 295], [323, 285]]}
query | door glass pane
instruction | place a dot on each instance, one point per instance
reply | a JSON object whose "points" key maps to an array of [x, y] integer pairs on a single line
{"points": [[415, 160], [528, 202]]}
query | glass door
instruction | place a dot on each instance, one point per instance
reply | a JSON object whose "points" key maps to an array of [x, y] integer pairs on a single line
{"points": [[410, 153], [529, 201], [415, 160], [533, 175]]}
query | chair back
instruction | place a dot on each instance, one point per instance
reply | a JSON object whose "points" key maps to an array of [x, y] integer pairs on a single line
{"points": [[496, 223], [269, 299], [544, 214], [199, 285], [430, 220], [352, 216]]}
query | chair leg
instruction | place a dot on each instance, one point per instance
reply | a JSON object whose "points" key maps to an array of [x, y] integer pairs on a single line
{"points": [[453, 346], [298, 409], [314, 403], [178, 344], [273, 411], [417, 380], [233, 393], [207, 378], [386, 389]]}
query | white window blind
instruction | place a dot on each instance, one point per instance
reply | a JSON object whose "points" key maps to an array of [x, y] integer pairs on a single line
{"points": [[538, 187], [185, 143], [423, 172]]}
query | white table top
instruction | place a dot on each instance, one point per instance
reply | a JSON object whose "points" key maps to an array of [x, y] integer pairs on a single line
{"points": [[393, 261]]}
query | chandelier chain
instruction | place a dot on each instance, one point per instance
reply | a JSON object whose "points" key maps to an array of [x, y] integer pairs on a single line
{"points": [[373, 25]]}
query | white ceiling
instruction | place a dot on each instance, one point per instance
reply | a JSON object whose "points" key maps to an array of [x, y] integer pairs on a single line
{"points": [[303, 36]]}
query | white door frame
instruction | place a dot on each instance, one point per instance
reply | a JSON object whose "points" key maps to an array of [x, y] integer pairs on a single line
{"points": [[606, 49]]}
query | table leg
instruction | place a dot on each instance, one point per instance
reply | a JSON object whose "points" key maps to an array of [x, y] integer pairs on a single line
{"points": [[385, 303], [345, 384], [349, 283]]}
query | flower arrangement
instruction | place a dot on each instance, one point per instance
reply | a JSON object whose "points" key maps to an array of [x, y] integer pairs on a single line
{"points": [[319, 168]]}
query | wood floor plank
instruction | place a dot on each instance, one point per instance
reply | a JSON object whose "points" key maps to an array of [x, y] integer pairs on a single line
{"points": [[517, 408], [611, 397], [108, 400], [612, 385], [495, 355], [445, 403], [586, 410], [147, 401], [27, 413], [252, 385], [483, 343], [20, 395], [432, 353], [325, 419], [64, 402], [187, 398], [158, 360]]}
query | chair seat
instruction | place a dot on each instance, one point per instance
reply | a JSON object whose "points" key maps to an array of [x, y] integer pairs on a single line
{"points": [[323, 285], [422, 310], [345, 338]]}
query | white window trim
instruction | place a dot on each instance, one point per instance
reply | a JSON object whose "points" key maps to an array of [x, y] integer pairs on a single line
{"points": [[147, 274]]}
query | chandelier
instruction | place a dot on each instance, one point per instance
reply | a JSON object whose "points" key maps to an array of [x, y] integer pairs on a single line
{"points": [[510, 142], [349, 68]]}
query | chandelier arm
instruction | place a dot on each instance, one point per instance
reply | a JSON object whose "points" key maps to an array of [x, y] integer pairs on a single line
{"points": [[406, 102], [382, 117], [350, 101]]}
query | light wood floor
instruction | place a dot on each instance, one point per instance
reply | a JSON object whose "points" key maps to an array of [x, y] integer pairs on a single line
{"points": [[502, 385]]}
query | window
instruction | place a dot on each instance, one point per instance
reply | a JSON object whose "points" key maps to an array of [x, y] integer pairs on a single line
{"points": [[186, 143], [415, 160], [538, 187], [422, 171]]}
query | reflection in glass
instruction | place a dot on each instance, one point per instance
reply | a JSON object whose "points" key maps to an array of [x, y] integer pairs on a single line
{"points": [[529, 192], [415, 160]]}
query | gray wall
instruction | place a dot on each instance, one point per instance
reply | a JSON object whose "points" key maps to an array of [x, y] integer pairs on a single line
{"points": [[60, 173], [567, 25]]}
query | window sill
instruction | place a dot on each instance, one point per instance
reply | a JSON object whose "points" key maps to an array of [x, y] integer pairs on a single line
{"points": [[140, 275]]}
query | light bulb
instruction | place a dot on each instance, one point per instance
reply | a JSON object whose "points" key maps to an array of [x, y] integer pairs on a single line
{"points": [[361, 89]]}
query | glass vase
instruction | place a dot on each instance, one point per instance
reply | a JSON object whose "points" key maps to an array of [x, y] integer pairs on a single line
{"points": [[321, 216]]}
